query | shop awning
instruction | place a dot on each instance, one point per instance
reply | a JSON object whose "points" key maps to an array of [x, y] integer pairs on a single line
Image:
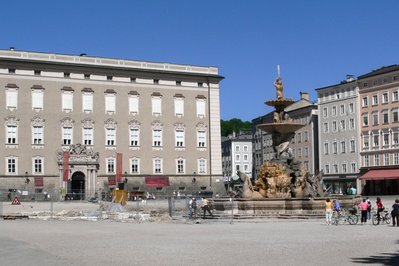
{"points": [[381, 174], [157, 181]]}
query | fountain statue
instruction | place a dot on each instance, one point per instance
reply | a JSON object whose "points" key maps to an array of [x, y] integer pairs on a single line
{"points": [[283, 176]]}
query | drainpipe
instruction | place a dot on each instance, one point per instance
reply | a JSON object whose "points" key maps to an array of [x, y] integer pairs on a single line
{"points": [[209, 134]]}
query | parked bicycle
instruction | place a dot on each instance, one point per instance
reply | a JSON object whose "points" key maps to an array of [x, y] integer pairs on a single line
{"points": [[385, 217], [344, 215]]}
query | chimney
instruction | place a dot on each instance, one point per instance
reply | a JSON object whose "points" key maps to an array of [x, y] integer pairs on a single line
{"points": [[350, 78], [304, 95]]}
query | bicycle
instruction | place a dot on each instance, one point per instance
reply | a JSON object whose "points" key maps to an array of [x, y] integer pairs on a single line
{"points": [[343, 216], [385, 216]]}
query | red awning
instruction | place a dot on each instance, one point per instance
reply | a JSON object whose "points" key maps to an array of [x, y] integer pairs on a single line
{"points": [[157, 181], [381, 174]]}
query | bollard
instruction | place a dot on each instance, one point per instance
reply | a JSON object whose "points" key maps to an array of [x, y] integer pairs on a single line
{"points": [[232, 211], [170, 206], [51, 209]]}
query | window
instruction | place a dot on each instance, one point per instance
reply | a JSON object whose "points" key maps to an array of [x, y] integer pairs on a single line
{"points": [[375, 99], [305, 152], [87, 76], [237, 167], [385, 97], [134, 135], [12, 163], [325, 127], [376, 159], [11, 98], [386, 139], [88, 136], [110, 103], [335, 147], [396, 158], [352, 145], [366, 160], [200, 107], [365, 101], [179, 138], [305, 136], [237, 148], [245, 157], [353, 167], [201, 138], [325, 148], [325, 112], [87, 102], [179, 106], [342, 125], [11, 70], [351, 108], [334, 111], [327, 169], [156, 81], [37, 135], [180, 166], [110, 165], [376, 141], [38, 165], [157, 163], [110, 135], [343, 147], [66, 135], [365, 119], [366, 144], [67, 101], [334, 126], [351, 123], [375, 118], [156, 105], [37, 99], [109, 77], [67, 75], [134, 166], [202, 166], [11, 135], [386, 159], [299, 155], [395, 138], [245, 148], [395, 96], [344, 168], [395, 115], [237, 157], [133, 104], [157, 137], [342, 109]]}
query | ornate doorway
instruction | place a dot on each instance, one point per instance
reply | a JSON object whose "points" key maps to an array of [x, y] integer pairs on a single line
{"points": [[77, 186]]}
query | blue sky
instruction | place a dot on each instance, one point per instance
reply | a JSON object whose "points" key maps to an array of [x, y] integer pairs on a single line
{"points": [[316, 43]]}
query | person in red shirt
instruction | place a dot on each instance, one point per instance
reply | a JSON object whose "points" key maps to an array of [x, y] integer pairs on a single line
{"points": [[380, 208], [363, 208]]}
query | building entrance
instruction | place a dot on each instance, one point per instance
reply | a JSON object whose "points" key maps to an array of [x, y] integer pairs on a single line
{"points": [[77, 188]]}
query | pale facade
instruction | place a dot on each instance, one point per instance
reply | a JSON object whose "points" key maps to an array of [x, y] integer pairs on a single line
{"points": [[339, 135], [163, 118]]}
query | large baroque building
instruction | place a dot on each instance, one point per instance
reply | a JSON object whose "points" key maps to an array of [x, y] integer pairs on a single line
{"points": [[379, 128], [339, 135], [155, 125]]}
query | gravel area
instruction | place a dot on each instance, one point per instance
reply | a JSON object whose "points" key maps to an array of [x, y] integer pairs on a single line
{"points": [[260, 242]]}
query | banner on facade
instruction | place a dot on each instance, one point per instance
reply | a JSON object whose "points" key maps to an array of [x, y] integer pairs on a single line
{"points": [[111, 181], [66, 166], [119, 167], [39, 181], [157, 181]]}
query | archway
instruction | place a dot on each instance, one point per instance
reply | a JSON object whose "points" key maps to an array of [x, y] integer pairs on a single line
{"points": [[78, 186]]}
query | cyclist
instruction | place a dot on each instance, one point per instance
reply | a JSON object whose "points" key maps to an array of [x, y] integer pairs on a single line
{"points": [[337, 206], [380, 208]]}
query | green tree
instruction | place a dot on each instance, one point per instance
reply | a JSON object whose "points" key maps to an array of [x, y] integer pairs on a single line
{"points": [[234, 125]]}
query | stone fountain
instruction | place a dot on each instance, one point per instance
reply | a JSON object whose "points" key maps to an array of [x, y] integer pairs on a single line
{"points": [[283, 176]]}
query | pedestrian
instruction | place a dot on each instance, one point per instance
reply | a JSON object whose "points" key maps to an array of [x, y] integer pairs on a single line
{"points": [[9, 196], [206, 207], [337, 206], [363, 206], [380, 208], [192, 208], [328, 211], [395, 213], [368, 208]]}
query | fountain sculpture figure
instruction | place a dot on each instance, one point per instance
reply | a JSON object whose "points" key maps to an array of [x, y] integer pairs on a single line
{"points": [[283, 176]]}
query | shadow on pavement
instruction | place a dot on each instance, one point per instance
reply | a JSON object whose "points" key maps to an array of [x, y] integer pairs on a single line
{"points": [[390, 259]]}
